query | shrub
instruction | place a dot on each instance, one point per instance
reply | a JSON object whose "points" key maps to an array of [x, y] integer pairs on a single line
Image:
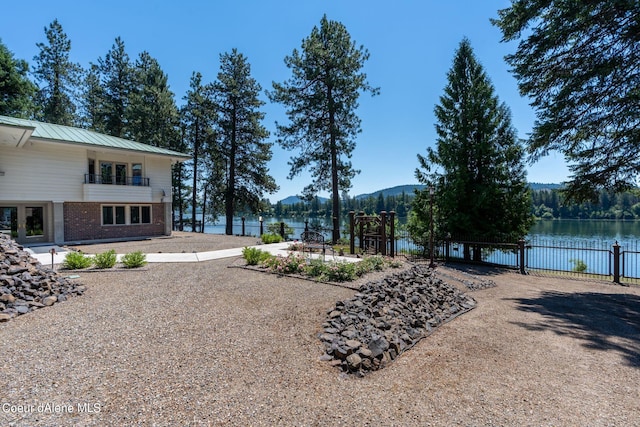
{"points": [[316, 268], [274, 228], [134, 259], [106, 259], [292, 263], [341, 272], [271, 238], [77, 260], [255, 256], [579, 266]]}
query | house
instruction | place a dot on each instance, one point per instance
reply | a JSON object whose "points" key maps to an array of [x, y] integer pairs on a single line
{"points": [[61, 184]]}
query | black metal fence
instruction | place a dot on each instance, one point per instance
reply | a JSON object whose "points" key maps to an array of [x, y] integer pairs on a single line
{"points": [[575, 257], [595, 259]]}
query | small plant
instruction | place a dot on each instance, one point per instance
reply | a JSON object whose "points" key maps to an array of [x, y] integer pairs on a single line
{"points": [[271, 238], [579, 266], [292, 263], [275, 228], [341, 272], [134, 259], [106, 259], [76, 260], [255, 256], [316, 268]]}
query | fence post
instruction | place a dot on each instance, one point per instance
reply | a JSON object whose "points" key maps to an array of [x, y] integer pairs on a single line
{"points": [[242, 225], [521, 249], [282, 229], [447, 242], [352, 242], [616, 262], [306, 225], [392, 232], [383, 233]]}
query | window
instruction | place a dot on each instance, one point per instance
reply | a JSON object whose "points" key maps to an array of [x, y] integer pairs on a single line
{"points": [[107, 215], [136, 173], [106, 172], [120, 217], [140, 214], [121, 174], [113, 215]]}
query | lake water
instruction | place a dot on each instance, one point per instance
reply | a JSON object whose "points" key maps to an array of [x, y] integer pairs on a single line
{"points": [[583, 230], [553, 245]]}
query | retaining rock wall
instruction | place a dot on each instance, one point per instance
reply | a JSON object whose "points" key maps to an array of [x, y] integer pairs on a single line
{"points": [[27, 285], [388, 317]]}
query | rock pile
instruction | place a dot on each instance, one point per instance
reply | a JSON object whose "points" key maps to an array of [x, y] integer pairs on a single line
{"points": [[387, 317], [26, 285]]}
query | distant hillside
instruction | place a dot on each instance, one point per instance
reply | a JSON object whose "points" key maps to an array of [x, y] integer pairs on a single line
{"points": [[393, 191], [539, 186], [291, 200], [409, 191]]}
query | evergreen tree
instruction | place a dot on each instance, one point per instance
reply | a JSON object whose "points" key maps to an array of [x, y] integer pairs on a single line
{"points": [[117, 81], [92, 109], [476, 168], [242, 138], [16, 90], [197, 120], [57, 77], [322, 97], [578, 61], [152, 115]]}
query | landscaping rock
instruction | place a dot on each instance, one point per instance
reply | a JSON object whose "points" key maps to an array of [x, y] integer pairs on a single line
{"points": [[27, 285], [387, 317]]}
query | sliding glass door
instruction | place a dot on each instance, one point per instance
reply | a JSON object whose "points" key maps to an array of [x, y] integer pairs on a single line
{"points": [[24, 223]]}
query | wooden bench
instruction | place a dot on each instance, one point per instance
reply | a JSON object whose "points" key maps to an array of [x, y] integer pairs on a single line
{"points": [[313, 240]]}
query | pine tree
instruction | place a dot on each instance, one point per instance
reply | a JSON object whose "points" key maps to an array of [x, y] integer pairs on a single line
{"points": [[197, 120], [476, 168], [243, 148], [16, 90], [92, 99], [152, 115], [578, 62], [117, 81], [57, 77], [322, 97]]}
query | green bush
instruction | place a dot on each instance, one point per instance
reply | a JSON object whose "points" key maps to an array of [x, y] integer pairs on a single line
{"points": [[76, 260], [134, 259], [316, 268], [106, 259], [274, 228], [341, 272], [292, 263], [271, 238], [579, 266], [255, 256]]}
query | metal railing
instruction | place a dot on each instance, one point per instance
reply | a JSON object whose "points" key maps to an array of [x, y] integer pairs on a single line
{"points": [[136, 181]]}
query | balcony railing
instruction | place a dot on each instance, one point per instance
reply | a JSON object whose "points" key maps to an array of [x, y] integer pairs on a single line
{"points": [[137, 181]]}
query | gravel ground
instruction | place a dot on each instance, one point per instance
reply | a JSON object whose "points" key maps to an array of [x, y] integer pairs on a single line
{"points": [[205, 344]]}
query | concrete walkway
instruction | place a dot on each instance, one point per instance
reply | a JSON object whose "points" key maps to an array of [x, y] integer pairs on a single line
{"points": [[43, 255]]}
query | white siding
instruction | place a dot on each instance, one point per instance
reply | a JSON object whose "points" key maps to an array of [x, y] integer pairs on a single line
{"points": [[55, 172], [42, 172]]}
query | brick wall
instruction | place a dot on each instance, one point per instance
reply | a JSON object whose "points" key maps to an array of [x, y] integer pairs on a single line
{"points": [[82, 221]]}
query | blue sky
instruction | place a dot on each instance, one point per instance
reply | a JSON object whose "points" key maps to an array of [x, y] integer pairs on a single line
{"points": [[411, 44]]}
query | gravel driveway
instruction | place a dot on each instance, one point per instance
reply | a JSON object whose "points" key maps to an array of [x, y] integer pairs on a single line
{"points": [[206, 344]]}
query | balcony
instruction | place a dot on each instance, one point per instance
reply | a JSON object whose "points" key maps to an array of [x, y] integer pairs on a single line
{"points": [[137, 181], [99, 188]]}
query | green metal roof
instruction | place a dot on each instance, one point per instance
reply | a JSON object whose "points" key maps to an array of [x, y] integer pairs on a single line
{"points": [[74, 135]]}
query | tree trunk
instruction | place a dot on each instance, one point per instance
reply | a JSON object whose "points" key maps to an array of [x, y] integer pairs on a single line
{"points": [[194, 194], [231, 184], [335, 193]]}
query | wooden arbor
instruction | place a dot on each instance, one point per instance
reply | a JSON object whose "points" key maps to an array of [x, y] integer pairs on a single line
{"points": [[376, 234]]}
